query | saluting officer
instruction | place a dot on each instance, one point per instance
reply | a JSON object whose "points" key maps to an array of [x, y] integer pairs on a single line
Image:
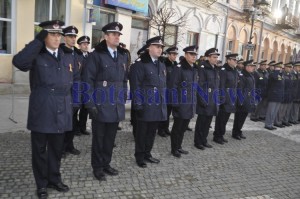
{"points": [[182, 78], [283, 114], [246, 103], [261, 82], [228, 85], [106, 76], [296, 90], [148, 83], [170, 62], [209, 81], [83, 43], [70, 34], [275, 95], [50, 103]]}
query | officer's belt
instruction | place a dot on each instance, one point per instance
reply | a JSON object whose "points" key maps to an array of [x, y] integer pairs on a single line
{"points": [[55, 91]]}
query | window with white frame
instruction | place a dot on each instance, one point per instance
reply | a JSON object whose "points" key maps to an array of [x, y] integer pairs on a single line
{"points": [[49, 10], [170, 35], [5, 26], [241, 49], [192, 38]]}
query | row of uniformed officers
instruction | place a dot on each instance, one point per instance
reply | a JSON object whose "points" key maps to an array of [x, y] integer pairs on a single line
{"points": [[64, 79]]}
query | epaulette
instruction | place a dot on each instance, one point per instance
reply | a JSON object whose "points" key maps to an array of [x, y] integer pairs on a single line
{"points": [[202, 66], [178, 65], [223, 68], [138, 59], [241, 74]]}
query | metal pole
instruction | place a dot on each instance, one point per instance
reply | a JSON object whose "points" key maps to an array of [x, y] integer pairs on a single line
{"points": [[250, 38]]}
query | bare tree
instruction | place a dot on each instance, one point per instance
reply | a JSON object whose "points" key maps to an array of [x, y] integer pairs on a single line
{"points": [[168, 23]]}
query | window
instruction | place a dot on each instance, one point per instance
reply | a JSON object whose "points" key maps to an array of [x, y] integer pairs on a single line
{"points": [[49, 10], [272, 56], [192, 38], [139, 36], [279, 58], [262, 55], [211, 40], [101, 19], [5, 26], [241, 49], [170, 36]]}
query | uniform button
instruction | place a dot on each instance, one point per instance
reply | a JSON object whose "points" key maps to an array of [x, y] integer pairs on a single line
{"points": [[58, 111], [58, 130], [58, 68]]}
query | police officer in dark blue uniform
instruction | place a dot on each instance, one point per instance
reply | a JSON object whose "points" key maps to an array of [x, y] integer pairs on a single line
{"points": [[240, 65], [83, 43], [133, 116], [182, 79], [247, 99], [207, 106], [170, 62], [270, 67], [50, 103], [261, 82], [275, 95], [148, 84], [107, 77], [296, 91], [70, 34], [228, 85]]}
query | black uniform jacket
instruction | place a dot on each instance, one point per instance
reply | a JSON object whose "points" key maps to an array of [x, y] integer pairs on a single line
{"points": [[148, 87], [209, 82], [183, 78], [275, 87], [107, 81], [261, 81], [51, 80], [228, 85]]}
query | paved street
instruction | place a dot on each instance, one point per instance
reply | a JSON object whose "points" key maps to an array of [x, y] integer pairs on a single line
{"points": [[265, 165]]}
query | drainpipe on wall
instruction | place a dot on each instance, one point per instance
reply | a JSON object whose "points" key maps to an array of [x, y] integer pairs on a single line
{"points": [[84, 16], [224, 43], [260, 41]]}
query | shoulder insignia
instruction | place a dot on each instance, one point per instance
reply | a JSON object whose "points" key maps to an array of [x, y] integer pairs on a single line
{"points": [[139, 59], [202, 66], [178, 65], [222, 68], [241, 74]]}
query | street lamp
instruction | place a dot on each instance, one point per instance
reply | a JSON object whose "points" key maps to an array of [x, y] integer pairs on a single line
{"points": [[254, 11]]}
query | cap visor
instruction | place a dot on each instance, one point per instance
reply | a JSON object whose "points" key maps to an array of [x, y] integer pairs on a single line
{"points": [[108, 31]]}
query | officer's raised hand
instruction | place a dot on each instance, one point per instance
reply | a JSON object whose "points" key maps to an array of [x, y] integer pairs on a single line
{"points": [[42, 35]]}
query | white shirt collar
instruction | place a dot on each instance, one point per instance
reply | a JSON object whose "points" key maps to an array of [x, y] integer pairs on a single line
{"points": [[111, 51], [153, 59], [51, 51]]}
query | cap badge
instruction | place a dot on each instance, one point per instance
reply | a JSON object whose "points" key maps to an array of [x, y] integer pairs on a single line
{"points": [[160, 41], [56, 26], [73, 30], [117, 28]]}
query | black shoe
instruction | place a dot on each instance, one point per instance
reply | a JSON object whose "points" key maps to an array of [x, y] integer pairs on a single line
{"points": [[254, 120], [237, 137], [73, 151], [162, 133], [111, 171], [218, 140], [279, 125], [152, 160], [167, 132], [199, 147], [270, 128], [189, 129], [224, 140], [119, 128], [63, 155], [183, 151], [77, 133], [42, 193], [242, 136], [85, 132], [59, 187], [176, 154], [99, 175], [286, 124], [207, 145], [142, 164]]}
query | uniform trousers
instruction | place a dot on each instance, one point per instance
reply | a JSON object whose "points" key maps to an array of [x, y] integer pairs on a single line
{"points": [[271, 114], [46, 155], [295, 112], [83, 116], [220, 124], [144, 139], [202, 129], [238, 123], [281, 113], [69, 135], [261, 108], [286, 117], [103, 140], [164, 125], [179, 127]]}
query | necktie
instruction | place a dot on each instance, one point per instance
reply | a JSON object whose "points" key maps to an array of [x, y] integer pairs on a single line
{"points": [[115, 56], [54, 54], [155, 62]]}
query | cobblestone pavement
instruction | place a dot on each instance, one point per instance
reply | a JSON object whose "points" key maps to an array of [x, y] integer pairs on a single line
{"points": [[263, 166]]}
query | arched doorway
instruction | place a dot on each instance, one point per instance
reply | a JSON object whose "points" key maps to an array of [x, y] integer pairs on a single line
{"points": [[265, 52], [281, 58], [231, 40], [275, 51], [289, 56]]}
